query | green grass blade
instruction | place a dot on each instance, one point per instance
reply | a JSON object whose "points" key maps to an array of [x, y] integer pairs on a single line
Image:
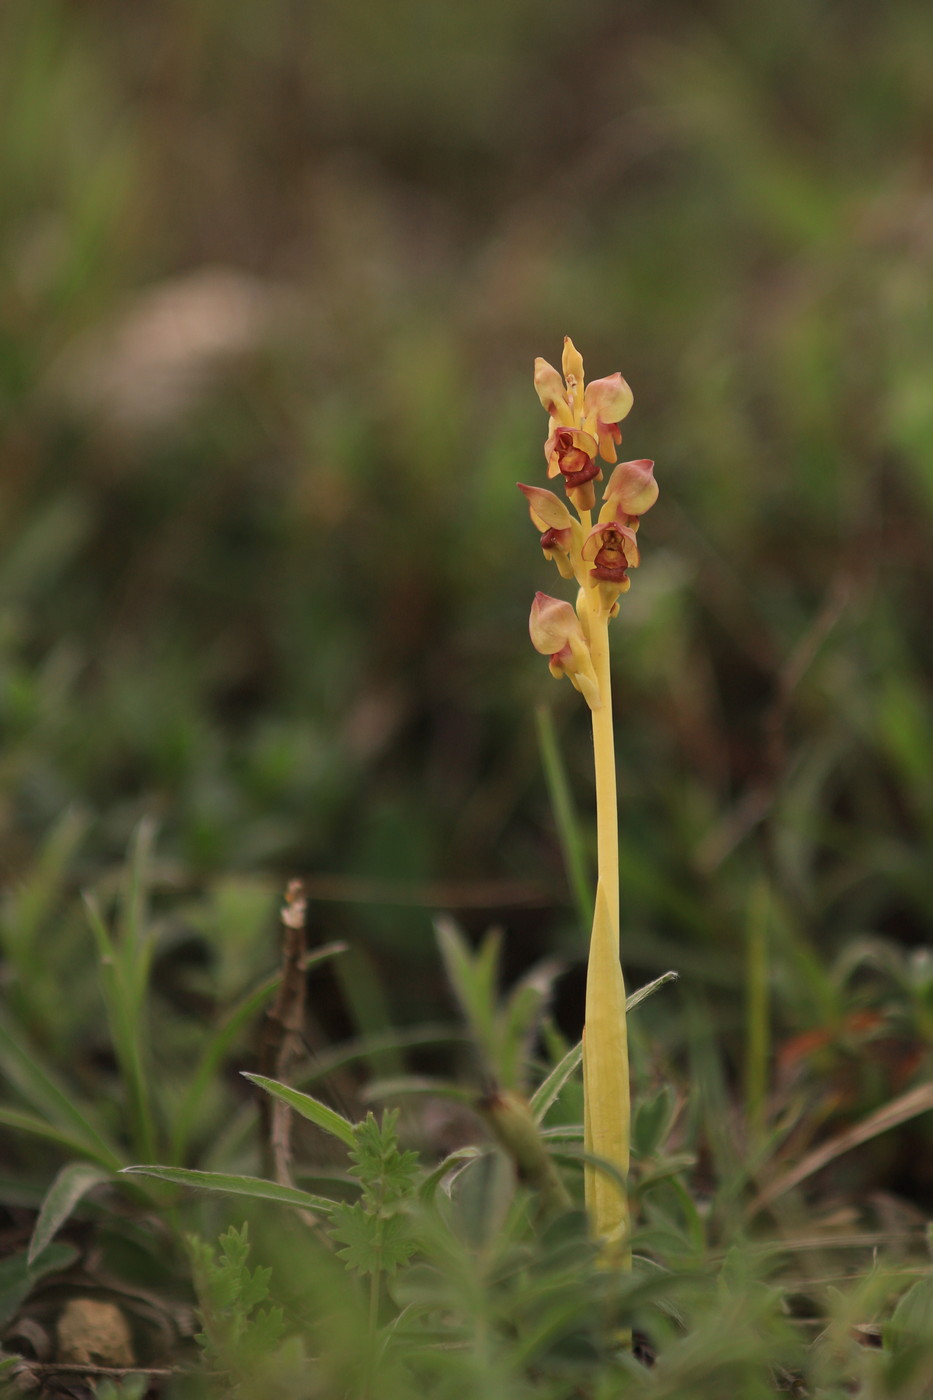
{"points": [[408, 1084], [549, 1089], [126, 1019], [310, 1108], [757, 1014], [347, 1052], [28, 911], [74, 1143], [519, 1020], [363, 991], [251, 1186], [649, 989], [71, 1184], [211, 1058], [48, 1098], [572, 842], [450, 1163], [473, 978]]}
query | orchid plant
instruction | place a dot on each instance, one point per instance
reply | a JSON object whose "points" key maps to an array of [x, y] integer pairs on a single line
{"points": [[583, 427]]}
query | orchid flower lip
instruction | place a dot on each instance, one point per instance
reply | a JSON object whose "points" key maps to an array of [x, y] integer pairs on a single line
{"points": [[609, 532]]}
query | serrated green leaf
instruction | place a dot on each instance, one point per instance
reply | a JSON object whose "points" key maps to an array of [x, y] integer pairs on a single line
{"points": [[371, 1243]]}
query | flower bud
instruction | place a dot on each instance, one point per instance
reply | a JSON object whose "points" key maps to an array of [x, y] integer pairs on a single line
{"points": [[551, 391], [631, 490], [610, 399], [556, 633], [606, 402], [572, 366]]}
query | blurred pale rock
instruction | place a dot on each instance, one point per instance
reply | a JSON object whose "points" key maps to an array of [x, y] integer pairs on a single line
{"points": [[149, 366], [93, 1333]]}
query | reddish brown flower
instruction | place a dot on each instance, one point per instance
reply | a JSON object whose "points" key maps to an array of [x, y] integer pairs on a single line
{"points": [[612, 548]]}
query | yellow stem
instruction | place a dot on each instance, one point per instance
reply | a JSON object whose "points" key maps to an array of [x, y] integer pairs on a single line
{"points": [[605, 1046], [607, 814]]}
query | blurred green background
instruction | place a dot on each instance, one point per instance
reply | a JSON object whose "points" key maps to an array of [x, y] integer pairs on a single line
{"points": [[274, 276]]}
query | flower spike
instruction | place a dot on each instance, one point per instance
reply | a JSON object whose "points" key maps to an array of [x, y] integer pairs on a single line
{"points": [[583, 426]]}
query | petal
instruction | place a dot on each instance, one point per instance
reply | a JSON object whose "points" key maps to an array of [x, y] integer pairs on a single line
{"points": [[609, 436], [551, 391], [631, 490], [553, 625], [557, 544], [546, 508], [610, 398]]}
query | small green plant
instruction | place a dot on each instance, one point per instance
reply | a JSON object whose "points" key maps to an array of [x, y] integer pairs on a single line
{"points": [[376, 1233], [236, 1332], [162, 1100], [128, 1388]]}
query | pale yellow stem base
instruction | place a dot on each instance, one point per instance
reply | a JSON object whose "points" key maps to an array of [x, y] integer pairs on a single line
{"points": [[606, 1089], [606, 1125]]}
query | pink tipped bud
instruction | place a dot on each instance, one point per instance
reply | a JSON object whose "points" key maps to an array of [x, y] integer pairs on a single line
{"points": [[551, 391], [631, 490], [610, 399], [553, 627], [557, 633]]}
